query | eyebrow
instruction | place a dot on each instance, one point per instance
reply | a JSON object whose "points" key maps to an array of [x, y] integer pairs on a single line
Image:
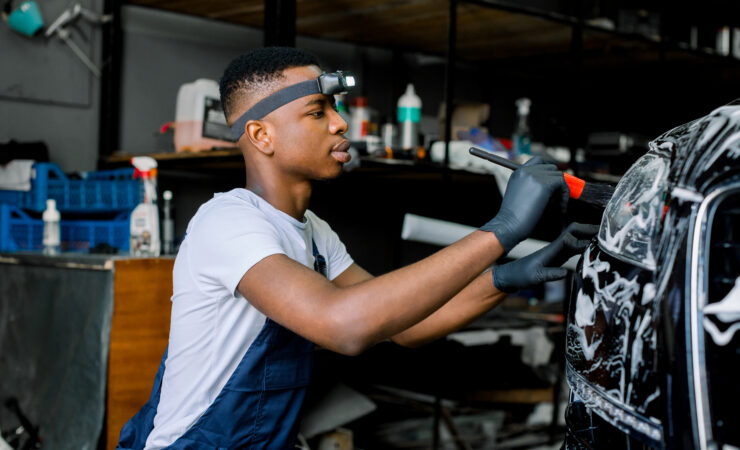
{"points": [[317, 101]]}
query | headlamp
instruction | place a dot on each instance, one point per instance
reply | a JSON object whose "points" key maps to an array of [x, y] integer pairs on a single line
{"points": [[338, 82]]}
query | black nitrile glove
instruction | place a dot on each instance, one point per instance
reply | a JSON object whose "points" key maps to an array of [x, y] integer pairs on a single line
{"points": [[527, 193], [544, 264]]}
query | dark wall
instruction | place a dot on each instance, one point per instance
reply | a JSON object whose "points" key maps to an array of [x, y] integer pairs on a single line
{"points": [[162, 51], [47, 94]]}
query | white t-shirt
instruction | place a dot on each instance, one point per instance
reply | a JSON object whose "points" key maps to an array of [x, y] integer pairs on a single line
{"points": [[212, 324]]}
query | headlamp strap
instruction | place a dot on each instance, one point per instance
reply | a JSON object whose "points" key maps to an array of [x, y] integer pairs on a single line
{"points": [[273, 102]]}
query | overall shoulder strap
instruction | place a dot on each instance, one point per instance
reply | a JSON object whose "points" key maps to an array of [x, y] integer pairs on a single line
{"points": [[319, 262]]}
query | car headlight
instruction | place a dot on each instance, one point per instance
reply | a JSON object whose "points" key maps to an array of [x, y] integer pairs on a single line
{"points": [[631, 219]]}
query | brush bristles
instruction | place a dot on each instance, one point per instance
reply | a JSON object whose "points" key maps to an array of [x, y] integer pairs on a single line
{"points": [[597, 194]]}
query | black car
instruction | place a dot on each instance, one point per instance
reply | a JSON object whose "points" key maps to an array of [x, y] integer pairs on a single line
{"points": [[653, 332]]}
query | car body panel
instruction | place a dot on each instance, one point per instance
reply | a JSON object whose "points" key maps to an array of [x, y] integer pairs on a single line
{"points": [[645, 317]]}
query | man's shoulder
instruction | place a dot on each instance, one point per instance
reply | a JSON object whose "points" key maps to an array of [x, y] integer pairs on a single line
{"points": [[236, 197], [227, 208]]}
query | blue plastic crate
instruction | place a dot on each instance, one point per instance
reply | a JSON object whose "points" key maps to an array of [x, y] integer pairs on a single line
{"points": [[19, 231], [99, 192]]}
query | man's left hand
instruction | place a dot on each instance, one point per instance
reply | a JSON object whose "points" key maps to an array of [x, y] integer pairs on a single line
{"points": [[544, 264]]}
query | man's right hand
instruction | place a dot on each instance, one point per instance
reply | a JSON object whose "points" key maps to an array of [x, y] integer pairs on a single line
{"points": [[527, 193]]}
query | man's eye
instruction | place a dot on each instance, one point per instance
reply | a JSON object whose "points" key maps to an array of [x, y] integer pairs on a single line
{"points": [[317, 114]]}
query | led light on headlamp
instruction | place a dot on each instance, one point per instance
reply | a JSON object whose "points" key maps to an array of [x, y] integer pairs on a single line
{"points": [[338, 82]]}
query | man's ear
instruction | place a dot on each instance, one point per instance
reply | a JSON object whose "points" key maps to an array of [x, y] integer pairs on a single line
{"points": [[259, 135]]}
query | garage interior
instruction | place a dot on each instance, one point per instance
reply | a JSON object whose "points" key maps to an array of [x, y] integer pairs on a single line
{"points": [[82, 332]]}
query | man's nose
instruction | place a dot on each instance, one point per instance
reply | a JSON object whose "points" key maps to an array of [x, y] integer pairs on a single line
{"points": [[337, 124]]}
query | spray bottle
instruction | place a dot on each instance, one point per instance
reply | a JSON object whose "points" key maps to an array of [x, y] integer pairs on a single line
{"points": [[521, 140], [145, 217], [409, 118]]}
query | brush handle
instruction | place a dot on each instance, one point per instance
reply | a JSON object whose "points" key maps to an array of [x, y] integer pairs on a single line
{"points": [[575, 184], [503, 162]]}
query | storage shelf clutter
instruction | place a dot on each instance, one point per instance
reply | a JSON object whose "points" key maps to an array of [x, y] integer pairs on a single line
{"points": [[95, 210], [99, 192]]}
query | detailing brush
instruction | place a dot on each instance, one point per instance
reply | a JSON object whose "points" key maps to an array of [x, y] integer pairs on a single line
{"points": [[597, 194]]}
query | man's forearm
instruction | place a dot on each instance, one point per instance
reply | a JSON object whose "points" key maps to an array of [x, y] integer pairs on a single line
{"points": [[397, 300], [474, 300], [350, 319]]}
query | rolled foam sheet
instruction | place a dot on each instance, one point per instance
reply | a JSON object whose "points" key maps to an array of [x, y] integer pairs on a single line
{"points": [[443, 233]]}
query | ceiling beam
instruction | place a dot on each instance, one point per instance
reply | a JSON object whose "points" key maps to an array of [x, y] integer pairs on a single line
{"points": [[279, 29]]}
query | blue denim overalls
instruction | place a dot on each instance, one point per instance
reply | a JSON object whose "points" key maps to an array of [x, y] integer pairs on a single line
{"points": [[259, 405]]}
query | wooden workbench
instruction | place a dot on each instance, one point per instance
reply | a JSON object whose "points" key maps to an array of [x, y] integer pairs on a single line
{"points": [[81, 338], [139, 334]]}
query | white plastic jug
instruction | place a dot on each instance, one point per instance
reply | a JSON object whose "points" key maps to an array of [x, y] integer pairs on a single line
{"points": [[200, 123]]}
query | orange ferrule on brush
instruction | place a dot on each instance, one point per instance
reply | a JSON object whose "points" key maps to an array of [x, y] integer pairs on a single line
{"points": [[575, 184]]}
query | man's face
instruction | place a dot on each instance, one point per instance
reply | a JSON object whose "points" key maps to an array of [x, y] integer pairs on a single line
{"points": [[307, 133]]}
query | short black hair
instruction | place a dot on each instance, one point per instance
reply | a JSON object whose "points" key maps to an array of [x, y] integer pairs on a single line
{"points": [[262, 66]]}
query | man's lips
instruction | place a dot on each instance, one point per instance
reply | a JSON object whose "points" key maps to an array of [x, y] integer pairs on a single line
{"points": [[340, 151]]}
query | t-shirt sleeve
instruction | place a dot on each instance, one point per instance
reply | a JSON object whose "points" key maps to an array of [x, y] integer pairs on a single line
{"points": [[338, 259], [227, 240]]}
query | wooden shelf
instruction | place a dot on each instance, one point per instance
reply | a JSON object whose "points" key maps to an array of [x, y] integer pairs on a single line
{"points": [[216, 161], [182, 156]]}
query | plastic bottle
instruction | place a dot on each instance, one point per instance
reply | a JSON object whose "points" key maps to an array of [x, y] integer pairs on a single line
{"points": [[168, 225], [359, 120], [200, 123], [52, 238], [409, 118], [521, 140], [341, 102], [145, 217], [389, 133]]}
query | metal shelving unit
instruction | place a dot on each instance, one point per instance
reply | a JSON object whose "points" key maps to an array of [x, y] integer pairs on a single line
{"points": [[490, 32]]}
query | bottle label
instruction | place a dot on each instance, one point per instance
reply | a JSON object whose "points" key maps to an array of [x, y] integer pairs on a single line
{"points": [[51, 234], [521, 145], [406, 113]]}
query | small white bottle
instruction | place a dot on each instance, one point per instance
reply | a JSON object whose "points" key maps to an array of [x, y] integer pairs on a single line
{"points": [[409, 118], [168, 225], [52, 234]]}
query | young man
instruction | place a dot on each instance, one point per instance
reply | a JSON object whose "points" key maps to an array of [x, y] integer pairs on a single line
{"points": [[260, 279]]}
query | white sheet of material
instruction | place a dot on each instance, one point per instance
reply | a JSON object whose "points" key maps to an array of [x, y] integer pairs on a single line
{"points": [[461, 159], [443, 233], [16, 175]]}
